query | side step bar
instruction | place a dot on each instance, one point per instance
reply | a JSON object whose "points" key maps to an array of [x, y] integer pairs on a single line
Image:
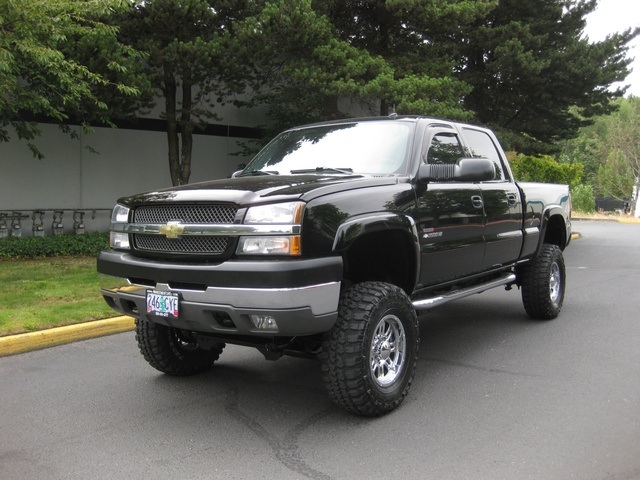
{"points": [[438, 300]]}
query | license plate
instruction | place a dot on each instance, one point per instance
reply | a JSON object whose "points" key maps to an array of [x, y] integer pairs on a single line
{"points": [[164, 304]]}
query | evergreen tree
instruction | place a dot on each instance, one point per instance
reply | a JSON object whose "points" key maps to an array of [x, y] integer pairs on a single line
{"points": [[417, 39], [299, 67], [529, 63], [377, 54]]}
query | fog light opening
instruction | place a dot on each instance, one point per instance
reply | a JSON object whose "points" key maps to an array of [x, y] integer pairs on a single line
{"points": [[223, 319], [264, 322]]}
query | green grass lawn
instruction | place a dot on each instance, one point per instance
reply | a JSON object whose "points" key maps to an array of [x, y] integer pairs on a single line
{"points": [[39, 294]]}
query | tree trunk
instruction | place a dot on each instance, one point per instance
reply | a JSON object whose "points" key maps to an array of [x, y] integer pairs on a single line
{"points": [[172, 124], [330, 107], [384, 108], [381, 46], [635, 202], [186, 130]]}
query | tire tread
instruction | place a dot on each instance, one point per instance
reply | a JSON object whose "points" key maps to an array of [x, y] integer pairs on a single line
{"points": [[535, 284], [343, 363], [157, 345]]}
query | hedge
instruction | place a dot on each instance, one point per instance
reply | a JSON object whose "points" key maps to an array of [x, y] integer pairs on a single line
{"points": [[545, 169], [22, 248]]}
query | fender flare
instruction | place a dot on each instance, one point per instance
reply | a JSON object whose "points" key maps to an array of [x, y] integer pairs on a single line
{"points": [[550, 212], [355, 227]]}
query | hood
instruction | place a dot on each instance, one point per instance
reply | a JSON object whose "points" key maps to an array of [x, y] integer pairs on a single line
{"points": [[260, 189]]}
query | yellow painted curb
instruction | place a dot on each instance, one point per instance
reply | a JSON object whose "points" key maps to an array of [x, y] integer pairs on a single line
{"points": [[26, 342]]}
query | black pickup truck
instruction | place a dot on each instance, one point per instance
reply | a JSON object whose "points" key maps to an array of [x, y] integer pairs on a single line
{"points": [[328, 244]]}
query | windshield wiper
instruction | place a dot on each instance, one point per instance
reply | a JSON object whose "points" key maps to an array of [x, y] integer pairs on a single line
{"points": [[346, 171], [255, 173]]}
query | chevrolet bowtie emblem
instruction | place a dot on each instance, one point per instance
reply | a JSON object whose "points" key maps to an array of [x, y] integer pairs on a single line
{"points": [[172, 229]]}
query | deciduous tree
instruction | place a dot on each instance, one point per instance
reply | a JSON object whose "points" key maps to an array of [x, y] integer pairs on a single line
{"points": [[610, 151], [619, 147], [546, 169], [190, 63], [61, 61]]}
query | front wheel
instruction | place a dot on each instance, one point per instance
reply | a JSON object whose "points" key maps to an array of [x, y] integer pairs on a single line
{"points": [[173, 351], [370, 355], [543, 284]]}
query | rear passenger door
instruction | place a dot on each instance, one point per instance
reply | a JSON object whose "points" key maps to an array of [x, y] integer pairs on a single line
{"points": [[450, 214], [502, 201]]}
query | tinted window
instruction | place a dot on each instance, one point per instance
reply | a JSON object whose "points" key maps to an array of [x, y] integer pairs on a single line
{"points": [[480, 144], [445, 148]]}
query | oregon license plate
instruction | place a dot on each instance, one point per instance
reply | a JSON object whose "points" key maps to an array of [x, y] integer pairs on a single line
{"points": [[164, 304]]}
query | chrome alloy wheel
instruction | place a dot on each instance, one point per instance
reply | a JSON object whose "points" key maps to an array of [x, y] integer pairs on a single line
{"points": [[388, 347], [555, 282]]}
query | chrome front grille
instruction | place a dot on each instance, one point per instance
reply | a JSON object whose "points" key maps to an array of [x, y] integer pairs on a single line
{"points": [[203, 214], [186, 244]]}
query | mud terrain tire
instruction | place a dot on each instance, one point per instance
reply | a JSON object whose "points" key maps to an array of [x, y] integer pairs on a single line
{"points": [[173, 351], [543, 284], [370, 355]]}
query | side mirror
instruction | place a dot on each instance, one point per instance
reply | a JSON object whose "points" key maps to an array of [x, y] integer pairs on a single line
{"points": [[464, 170], [475, 170]]}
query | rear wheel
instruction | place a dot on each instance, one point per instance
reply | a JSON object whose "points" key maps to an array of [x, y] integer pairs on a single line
{"points": [[174, 351], [370, 355], [543, 284]]}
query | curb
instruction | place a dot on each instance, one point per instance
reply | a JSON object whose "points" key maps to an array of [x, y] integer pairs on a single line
{"points": [[26, 342], [631, 220]]}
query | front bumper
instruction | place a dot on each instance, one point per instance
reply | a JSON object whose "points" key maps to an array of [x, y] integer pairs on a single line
{"points": [[301, 295]]}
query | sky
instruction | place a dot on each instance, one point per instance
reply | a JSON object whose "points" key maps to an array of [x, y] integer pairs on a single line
{"points": [[613, 16]]}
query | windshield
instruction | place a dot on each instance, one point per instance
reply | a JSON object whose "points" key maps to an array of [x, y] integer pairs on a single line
{"points": [[378, 148]]}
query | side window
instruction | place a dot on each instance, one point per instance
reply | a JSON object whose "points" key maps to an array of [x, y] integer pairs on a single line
{"points": [[481, 145], [445, 148]]}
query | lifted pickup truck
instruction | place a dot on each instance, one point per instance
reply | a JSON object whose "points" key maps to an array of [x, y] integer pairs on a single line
{"points": [[328, 244]]}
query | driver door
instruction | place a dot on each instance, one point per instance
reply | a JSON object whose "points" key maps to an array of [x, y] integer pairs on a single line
{"points": [[450, 215]]}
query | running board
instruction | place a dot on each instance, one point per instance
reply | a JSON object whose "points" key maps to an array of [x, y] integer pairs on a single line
{"points": [[432, 302]]}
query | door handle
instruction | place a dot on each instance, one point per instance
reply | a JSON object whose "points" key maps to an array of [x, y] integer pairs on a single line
{"points": [[512, 199], [476, 201]]}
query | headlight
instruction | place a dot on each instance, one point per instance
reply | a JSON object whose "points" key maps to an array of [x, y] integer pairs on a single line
{"points": [[283, 213], [289, 213], [120, 214], [119, 240], [289, 245]]}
